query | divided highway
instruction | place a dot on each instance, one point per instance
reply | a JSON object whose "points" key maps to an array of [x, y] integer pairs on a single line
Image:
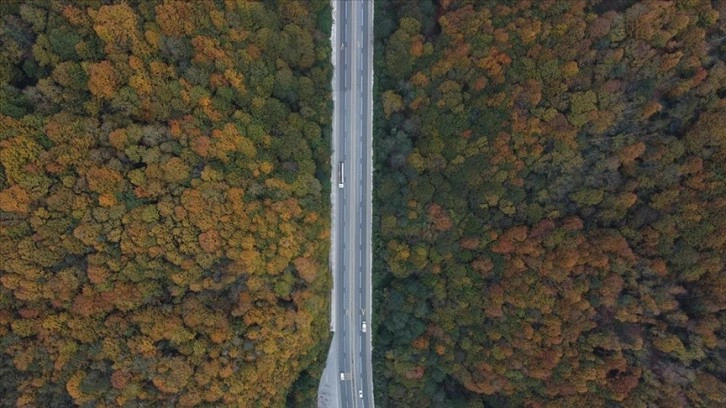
{"points": [[352, 203]]}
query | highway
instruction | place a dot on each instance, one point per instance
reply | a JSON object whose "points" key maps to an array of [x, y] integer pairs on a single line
{"points": [[352, 146]]}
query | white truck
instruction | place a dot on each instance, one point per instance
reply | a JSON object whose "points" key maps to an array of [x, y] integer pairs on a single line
{"points": [[341, 174]]}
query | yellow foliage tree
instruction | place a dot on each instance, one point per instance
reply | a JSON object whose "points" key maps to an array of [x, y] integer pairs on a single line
{"points": [[14, 199], [175, 18], [306, 268], [102, 79]]}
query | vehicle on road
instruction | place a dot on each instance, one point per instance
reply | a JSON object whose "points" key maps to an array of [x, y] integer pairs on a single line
{"points": [[342, 376], [341, 172], [364, 327], [360, 393]]}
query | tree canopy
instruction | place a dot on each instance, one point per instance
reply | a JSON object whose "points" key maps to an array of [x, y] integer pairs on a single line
{"points": [[550, 204], [164, 209]]}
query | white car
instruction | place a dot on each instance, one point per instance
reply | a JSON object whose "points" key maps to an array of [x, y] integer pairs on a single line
{"points": [[342, 376], [363, 327], [360, 393]]}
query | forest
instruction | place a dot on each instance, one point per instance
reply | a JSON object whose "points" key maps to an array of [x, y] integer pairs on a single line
{"points": [[164, 202], [550, 203]]}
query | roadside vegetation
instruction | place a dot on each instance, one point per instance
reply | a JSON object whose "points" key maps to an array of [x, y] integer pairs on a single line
{"points": [[550, 204], [164, 203]]}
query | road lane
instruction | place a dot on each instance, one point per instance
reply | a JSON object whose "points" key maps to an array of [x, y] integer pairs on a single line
{"points": [[343, 264], [367, 188]]}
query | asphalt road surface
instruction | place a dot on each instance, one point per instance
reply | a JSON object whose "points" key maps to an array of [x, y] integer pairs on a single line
{"points": [[352, 266]]}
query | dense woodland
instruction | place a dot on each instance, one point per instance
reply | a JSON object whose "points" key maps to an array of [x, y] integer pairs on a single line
{"points": [[164, 202], [551, 203]]}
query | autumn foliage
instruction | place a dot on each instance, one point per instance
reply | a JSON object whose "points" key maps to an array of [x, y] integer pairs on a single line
{"points": [[550, 195], [163, 203]]}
